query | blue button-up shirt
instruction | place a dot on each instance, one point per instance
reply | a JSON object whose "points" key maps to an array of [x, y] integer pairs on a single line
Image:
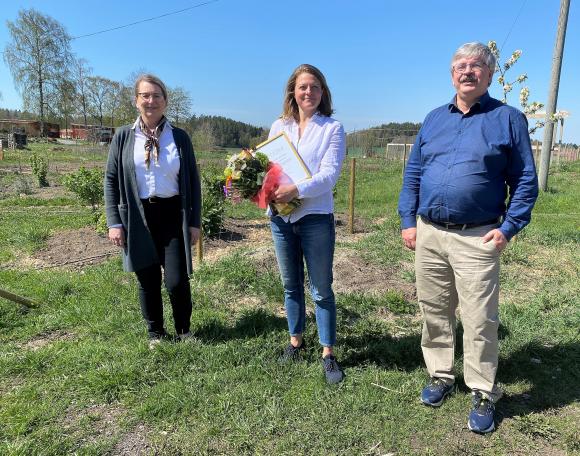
{"points": [[462, 167]]}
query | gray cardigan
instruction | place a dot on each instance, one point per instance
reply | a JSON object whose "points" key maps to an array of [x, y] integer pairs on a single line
{"points": [[123, 205]]}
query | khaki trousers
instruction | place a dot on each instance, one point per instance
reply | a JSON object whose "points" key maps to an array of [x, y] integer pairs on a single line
{"points": [[455, 268]]}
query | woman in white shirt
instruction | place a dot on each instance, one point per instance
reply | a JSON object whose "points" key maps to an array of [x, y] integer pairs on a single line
{"points": [[308, 233], [153, 207]]}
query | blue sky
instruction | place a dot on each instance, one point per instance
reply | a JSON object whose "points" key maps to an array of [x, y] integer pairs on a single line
{"points": [[384, 61]]}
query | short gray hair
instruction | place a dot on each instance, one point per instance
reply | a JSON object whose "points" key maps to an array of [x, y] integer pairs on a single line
{"points": [[152, 79], [475, 49]]}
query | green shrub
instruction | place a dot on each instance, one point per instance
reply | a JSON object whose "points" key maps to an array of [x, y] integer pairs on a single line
{"points": [[212, 207], [101, 223], [22, 186], [87, 184], [39, 169]]}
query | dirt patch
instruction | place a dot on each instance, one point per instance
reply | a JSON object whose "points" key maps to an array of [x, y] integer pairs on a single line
{"points": [[53, 191], [47, 338], [236, 234], [89, 425], [74, 249], [354, 274], [134, 443]]}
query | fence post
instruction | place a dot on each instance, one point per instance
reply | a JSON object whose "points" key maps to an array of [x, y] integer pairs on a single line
{"points": [[404, 157], [199, 243], [351, 196]]}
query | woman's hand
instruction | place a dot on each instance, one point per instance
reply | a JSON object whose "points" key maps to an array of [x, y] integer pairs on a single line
{"points": [[117, 236], [285, 193]]}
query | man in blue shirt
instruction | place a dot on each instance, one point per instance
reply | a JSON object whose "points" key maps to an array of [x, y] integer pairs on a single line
{"points": [[470, 155]]}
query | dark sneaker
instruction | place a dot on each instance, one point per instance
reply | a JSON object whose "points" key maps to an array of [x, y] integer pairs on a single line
{"points": [[332, 370], [186, 337], [436, 391], [156, 338], [481, 418], [292, 354]]}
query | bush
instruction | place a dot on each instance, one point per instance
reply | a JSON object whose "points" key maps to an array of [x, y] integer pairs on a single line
{"points": [[22, 186], [212, 207], [39, 169], [101, 223], [87, 184]]}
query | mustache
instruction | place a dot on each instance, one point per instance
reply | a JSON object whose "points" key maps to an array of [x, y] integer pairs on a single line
{"points": [[468, 78]]}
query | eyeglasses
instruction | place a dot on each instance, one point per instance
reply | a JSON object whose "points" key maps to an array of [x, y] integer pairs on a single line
{"points": [[462, 68], [148, 96]]}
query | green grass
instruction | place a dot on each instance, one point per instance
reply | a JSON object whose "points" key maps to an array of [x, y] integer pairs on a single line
{"points": [[82, 154], [76, 376]]}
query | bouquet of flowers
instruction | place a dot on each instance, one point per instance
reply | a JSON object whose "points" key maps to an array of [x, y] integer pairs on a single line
{"points": [[252, 176]]}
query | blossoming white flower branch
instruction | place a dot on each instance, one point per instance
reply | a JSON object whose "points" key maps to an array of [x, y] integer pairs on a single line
{"points": [[529, 108]]}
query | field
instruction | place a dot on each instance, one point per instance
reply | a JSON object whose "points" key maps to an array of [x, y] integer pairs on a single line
{"points": [[77, 377]]}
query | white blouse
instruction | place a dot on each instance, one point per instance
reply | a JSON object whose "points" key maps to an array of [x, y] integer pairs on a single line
{"points": [[162, 178], [323, 148]]}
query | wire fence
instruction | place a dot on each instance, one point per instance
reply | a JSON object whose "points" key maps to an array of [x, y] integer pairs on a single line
{"points": [[396, 144]]}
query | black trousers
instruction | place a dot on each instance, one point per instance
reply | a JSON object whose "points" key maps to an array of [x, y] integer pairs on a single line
{"points": [[163, 218]]}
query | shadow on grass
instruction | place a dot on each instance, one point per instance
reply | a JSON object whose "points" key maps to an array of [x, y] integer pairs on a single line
{"points": [[393, 352], [382, 350], [252, 323], [553, 373]]}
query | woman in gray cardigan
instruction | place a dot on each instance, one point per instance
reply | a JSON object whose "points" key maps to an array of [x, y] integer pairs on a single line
{"points": [[153, 207]]}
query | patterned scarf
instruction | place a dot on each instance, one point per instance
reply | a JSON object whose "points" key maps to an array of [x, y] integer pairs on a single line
{"points": [[152, 142]]}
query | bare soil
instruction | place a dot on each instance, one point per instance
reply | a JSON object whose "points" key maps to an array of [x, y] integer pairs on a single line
{"points": [[134, 443], [46, 338], [76, 249]]}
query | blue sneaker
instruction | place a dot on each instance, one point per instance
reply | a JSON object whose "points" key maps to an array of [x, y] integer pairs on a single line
{"points": [[332, 371], [292, 354], [436, 391], [481, 418]]}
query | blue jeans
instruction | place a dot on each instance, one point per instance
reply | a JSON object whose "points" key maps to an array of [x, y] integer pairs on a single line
{"points": [[310, 239]]}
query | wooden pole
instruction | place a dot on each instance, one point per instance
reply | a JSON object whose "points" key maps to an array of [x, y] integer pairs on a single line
{"points": [[18, 299], [552, 101], [351, 196]]}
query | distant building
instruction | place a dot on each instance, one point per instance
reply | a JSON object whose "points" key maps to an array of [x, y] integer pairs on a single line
{"points": [[95, 133], [30, 127]]}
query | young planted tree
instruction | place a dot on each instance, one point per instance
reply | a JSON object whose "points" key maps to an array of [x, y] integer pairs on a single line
{"points": [[37, 53], [528, 107]]}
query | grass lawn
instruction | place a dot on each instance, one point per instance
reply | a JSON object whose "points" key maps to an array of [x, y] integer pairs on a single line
{"points": [[77, 377]]}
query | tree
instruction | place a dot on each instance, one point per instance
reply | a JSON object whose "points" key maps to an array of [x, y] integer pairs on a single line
{"points": [[126, 112], [203, 138], [179, 105], [80, 71], [113, 100], [65, 102], [38, 52], [99, 90]]}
